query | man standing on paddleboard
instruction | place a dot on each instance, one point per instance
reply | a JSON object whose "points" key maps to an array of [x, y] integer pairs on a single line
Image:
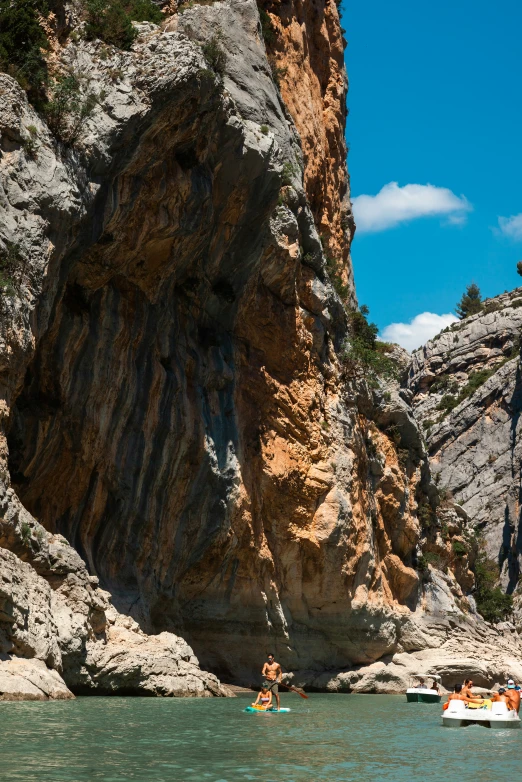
{"points": [[272, 676]]}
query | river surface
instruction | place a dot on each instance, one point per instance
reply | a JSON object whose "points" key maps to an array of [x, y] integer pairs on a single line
{"points": [[338, 738]]}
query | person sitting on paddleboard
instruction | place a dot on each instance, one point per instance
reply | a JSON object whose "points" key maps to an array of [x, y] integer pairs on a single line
{"points": [[273, 675], [264, 698]]}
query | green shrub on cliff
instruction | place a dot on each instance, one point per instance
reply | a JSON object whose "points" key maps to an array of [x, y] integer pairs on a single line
{"points": [[68, 108], [492, 602], [267, 29], [447, 403], [21, 41], [459, 549], [475, 380], [215, 55], [444, 383], [430, 558], [111, 20], [362, 354]]}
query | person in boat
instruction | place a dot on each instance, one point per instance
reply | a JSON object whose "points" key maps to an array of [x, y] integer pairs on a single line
{"points": [[421, 685], [466, 688], [264, 698], [458, 695], [502, 697], [272, 676], [514, 695], [435, 686]]}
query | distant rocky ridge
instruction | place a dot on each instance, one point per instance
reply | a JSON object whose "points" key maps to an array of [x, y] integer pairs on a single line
{"points": [[467, 393]]}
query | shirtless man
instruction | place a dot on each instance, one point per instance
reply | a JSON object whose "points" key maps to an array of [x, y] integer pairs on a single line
{"points": [[514, 695], [457, 695], [466, 688], [502, 697], [272, 676]]}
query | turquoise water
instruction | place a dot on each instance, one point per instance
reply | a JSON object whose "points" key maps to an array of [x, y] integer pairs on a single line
{"points": [[329, 737]]}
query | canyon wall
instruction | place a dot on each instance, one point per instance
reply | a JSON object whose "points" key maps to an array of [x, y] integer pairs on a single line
{"points": [[467, 393], [175, 401]]}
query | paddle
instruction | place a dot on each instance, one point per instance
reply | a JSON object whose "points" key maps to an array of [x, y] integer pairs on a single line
{"points": [[298, 690]]}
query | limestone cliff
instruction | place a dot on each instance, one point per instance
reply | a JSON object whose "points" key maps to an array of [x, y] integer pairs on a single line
{"points": [[175, 402], [467, 393], [306, 52]]}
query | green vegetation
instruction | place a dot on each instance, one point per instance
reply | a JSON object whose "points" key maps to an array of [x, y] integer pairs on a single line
{"points": [[448, 403], [264, 129], [25, 531], [362, 354], [493, 306], [111, 20], [492, 602], [427, 516], [430, 558], [470, 302], [21, 41], [519, 268], [267, 29], [215, 55], [288, 171], [444, 383], [475, 380], [516, 303], [68, 108], [459, 549], [12, 269]]}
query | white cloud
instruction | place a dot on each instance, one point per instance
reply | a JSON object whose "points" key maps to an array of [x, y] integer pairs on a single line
{"points": [[394, 205], [457, 219], [511, 226], [418, 331]]}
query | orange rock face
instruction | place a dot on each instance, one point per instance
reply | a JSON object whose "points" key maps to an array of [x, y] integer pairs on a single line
{"points": [[306, 51], [182, 416]]}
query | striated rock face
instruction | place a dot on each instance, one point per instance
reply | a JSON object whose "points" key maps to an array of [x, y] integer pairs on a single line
{"points": [[474, 448], [174, 402], [306, 51]]}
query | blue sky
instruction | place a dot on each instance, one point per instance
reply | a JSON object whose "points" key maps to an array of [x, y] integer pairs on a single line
{"points": [[435, 98]]}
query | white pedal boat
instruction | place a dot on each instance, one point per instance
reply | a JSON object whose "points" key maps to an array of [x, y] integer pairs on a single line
{"points": [[498, 716]]}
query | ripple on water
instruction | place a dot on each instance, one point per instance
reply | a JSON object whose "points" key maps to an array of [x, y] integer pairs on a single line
{"points": [[338, 738]]}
